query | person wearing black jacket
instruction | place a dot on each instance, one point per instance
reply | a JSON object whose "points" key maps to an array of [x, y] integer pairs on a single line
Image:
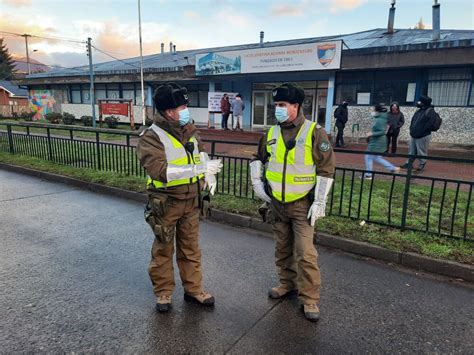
{"points": [[395, 121], [421, 127], [341, 116]]}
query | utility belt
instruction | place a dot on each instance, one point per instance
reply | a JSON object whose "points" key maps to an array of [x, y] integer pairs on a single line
{"points": [[157, 207]]}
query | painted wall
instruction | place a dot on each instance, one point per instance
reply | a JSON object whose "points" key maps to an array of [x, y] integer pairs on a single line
{"points": [[41, 102], [457, 127]]}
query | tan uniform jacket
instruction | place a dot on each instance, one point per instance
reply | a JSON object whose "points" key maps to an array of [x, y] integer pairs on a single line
{"points": [[323, 154], [151, 153]]}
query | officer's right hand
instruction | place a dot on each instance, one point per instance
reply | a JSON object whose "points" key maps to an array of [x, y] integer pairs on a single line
{"points": [[213, 166], [259, 191]]}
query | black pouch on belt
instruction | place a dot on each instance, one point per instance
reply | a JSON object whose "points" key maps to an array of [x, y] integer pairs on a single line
{"points": [[205, 206]]}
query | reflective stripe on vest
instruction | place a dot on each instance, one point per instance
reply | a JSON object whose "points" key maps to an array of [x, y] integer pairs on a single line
{"points": [[176, 156], [291, 174]]}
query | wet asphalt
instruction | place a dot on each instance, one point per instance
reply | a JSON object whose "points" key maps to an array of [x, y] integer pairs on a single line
{"points": [[73, 277]]}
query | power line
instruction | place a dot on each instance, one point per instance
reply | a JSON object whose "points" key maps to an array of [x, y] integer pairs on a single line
{"points": [[111, 56], [43, 37]]}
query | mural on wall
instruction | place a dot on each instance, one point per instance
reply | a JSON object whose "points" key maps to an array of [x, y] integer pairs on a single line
{"points": [[41, 102]]}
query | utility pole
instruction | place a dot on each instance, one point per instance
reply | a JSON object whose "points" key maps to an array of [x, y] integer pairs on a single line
{"points": [[91, 75], [27, 52], [141, 65]]}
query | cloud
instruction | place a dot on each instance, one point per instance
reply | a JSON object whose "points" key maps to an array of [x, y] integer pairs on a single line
{"points": [[193, 15], [286, 10], [344, 5], [17, 3], [30, 25]]}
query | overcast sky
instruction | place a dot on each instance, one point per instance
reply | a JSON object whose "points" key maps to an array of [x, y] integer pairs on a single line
{"points": [[113, 24]]}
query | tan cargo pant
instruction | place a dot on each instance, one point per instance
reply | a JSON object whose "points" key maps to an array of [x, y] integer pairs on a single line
{"points": [[184, 215], [295, 253]]}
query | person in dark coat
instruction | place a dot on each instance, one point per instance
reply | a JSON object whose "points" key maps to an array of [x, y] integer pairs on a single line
{"points": [[378, 142], [420, 130], [395, 120], [341, 116], [225, 109]]}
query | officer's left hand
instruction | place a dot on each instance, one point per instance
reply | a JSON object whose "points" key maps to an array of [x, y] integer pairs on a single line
{"points": [[210, 182], [316, 211]]}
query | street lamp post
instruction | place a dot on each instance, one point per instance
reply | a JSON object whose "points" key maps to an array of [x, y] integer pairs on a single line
{"points": [[141, 64]]}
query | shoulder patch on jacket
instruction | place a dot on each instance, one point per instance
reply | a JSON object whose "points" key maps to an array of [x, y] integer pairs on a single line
{"points": [[324, 146]]}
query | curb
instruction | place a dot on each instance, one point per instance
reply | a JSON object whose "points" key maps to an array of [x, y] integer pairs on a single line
{"points": [[410, 260], [107, 190], [407, 259]]}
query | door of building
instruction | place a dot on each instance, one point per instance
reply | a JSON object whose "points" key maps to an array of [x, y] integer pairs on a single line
{"points": [[321, 104], [263, 109]]}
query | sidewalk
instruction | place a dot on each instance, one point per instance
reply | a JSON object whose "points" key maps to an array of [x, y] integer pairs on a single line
{"points": [[438, 169], [73, 274]]}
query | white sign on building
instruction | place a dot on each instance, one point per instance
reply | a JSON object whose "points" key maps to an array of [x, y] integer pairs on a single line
{"points": [[311, 56], [214, 100]]}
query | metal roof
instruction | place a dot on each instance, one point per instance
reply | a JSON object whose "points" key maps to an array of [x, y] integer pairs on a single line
{"points": [[376, 39], [15, 90]]}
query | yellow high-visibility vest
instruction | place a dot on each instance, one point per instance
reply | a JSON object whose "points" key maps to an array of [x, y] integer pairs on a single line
{"points": [[176, 155], [291, 173]]}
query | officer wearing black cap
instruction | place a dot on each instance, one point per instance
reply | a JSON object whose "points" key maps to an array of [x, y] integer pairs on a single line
{"points": [[299, 167], [178, 169]]}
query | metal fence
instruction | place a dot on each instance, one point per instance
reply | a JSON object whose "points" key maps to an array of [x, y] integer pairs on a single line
{"points": [[407, 200]]}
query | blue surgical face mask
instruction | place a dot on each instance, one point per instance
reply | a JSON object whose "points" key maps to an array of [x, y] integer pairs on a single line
{"points": [[184, 117], [281, 114]]}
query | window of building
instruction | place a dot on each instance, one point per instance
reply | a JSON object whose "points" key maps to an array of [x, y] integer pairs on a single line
{"points": [[100, 92], [197, 94], [370, 88], [449, 87], [471, 100], [86, 94], [128, 92], [76, 94], [113, 91]]}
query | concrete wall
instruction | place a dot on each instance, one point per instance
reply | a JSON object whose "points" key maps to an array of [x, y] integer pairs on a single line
{"points": [[457, 127]]}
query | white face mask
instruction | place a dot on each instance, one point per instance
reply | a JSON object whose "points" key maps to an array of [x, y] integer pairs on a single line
{"points": [[373, 113]]}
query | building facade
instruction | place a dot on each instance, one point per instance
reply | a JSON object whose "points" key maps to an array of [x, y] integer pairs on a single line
{"points": [[375, 66]]}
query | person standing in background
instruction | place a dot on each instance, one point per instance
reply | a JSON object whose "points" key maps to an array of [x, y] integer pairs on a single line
{"points": [[378, 142], [395, 120], [225, 109], [238, 107], [421, 126], [341, 116]]}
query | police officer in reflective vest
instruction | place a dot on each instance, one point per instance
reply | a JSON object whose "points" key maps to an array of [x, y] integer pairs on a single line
{"points": [[299, 168], [178, 170]]}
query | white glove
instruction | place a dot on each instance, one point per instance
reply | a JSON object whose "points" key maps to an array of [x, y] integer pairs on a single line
{"points": [[256, 174], [208, 166], [321, 191], [210, 180]]}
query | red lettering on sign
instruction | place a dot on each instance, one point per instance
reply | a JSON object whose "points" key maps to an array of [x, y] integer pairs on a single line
{"points": [[115, 109]]}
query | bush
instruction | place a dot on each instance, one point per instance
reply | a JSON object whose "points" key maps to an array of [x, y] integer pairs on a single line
{"points": [[68, 118], [53, 117], [112, 121], [87, 121], [28, 116]]}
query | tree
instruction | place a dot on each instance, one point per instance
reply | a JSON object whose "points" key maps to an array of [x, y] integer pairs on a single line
{"points": [[7, 67], [420, 25]]}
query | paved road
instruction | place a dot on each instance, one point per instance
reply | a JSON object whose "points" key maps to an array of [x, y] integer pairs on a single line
{"points": [[73, 278]]}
